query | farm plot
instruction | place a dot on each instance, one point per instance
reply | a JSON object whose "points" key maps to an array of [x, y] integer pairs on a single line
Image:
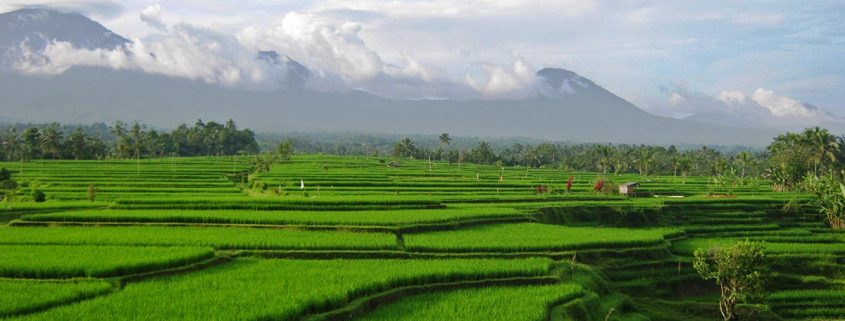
{"points": [[528, 303], [370, 218], [285, 289], [65, 261], [219, 238], [534, 237], [25, 296]]}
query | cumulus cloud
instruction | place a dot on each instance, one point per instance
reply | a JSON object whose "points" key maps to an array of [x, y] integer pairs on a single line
{"points": [[152, 16], [761, 107], [732, 97], [782, 106], [185, 51], [516, 81], [328, 46], [336, 52]]}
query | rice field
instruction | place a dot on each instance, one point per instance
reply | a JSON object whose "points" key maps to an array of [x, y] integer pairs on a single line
{"points": [[350, 238]]}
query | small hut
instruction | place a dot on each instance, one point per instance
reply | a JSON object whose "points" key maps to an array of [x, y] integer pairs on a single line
{"points": [[628, 189]]}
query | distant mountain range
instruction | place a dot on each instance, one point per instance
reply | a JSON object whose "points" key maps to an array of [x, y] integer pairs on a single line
{"points": [[569, 107]]}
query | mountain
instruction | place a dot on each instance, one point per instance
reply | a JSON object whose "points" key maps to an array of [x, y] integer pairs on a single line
{"points": [[35, 28], [569, 107]]}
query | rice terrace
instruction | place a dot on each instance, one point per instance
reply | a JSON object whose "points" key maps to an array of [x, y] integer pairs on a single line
{"points": [[321, 237], [422, 160]]}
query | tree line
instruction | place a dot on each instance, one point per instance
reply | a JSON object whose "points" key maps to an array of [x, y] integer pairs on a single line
{"points": [[123, 141], [602, 158]]}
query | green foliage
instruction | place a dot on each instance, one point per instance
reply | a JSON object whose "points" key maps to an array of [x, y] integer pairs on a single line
{"points": [[22, 296], [91, 194], [830, 198], [533, 237], [220, 238], [250, 289], [738, 270], [65, 261], [284, 150], [794, 155], [38, 196], [370, 217], [527, 303]]}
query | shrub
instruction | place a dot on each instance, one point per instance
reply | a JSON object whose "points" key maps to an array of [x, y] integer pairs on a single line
{"points": [[38, 196], [92, 193]]}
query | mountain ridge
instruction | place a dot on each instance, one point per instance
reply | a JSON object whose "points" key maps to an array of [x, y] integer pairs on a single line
{"points": [[568, 107]]}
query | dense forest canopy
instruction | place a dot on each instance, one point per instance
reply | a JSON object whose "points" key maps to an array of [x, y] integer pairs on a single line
{"points": [[122, 140]]}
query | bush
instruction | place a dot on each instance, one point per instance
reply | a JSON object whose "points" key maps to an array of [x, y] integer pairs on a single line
{"points": [[5, 174], [38, 196]]}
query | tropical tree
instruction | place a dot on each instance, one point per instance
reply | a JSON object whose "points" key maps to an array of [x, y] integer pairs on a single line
{"points": [[405, 148], [603, 156], [51, 140], [737, 270], [445, 139], [285, 149], [138, 136], [824, 147], [121, 144], [31, 143], [745, 159], [483, 153], [644, 161], [12, 144], [77, 144], [684, 165]]}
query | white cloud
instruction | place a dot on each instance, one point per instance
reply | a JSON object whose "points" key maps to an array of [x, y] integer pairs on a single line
{"points": [[186, 51], [732, 97], [760, 108], [782, 106], [152, 16], [519, 80], [676, 99], [321, 44]]}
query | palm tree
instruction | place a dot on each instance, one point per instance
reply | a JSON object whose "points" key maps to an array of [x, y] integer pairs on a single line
{"points": [[77, 143], [824, 146], [31, 137], [684, 165], [12, 144], [604, 155], [137, 134], [646, 156], [51, 140], [119, 131], [620, 161], [445, 139], [405, 148], [744, 159]]}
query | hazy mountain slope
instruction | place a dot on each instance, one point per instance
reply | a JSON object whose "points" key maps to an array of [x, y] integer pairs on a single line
{"points": [[33, 29], [567, 107], [88, 94]]}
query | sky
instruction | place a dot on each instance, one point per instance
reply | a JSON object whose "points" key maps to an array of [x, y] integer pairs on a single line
{"points": [[672, 58]]}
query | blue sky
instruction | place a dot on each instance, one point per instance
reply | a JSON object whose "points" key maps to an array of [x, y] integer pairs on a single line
{"points": [[649, 52]]}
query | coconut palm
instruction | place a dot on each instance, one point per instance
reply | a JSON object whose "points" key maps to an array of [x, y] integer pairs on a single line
{"points": [[646, 157], [745, 159], [12, 144], [445, 139], [51, 140], [824, 147]]}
